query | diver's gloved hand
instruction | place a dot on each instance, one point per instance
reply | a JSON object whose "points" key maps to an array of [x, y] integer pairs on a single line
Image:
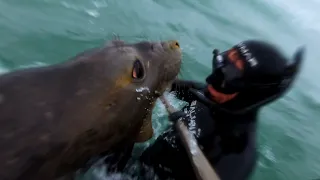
{"points": [[183, 85], [174, 117]]}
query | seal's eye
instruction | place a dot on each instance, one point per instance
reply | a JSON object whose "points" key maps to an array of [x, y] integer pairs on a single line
{"points": [[137, 71]]}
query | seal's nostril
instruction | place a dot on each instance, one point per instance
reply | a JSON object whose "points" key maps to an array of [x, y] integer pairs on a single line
{"points": [[174, 45]]}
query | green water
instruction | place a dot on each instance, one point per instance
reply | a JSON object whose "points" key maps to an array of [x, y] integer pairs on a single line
{"points": [[40, 32]]}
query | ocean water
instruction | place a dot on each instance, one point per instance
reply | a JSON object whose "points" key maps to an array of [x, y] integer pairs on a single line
{"points": [[42, 32]]}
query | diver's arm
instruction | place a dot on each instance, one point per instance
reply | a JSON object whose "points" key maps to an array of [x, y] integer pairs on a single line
{"points": [[181, 89]]}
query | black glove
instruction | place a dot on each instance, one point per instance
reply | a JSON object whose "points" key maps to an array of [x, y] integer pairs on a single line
{"points": [[181, 89], [184, 85], [174, 117]]}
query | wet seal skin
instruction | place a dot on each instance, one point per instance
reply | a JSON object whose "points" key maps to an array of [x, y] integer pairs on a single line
{"points": [[54, 118]]}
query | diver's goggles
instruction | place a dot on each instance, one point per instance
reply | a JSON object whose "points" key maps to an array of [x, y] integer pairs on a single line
{"points": [[227, 72]]}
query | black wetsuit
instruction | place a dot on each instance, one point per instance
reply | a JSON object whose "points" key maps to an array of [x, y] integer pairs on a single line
{"points": [[228, 141]]}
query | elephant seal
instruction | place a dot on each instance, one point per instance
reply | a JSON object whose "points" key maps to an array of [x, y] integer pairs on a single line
{"points": [[54, 118]]}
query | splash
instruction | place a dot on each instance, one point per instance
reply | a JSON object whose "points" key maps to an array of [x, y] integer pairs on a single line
{"points": [[134, 170]]}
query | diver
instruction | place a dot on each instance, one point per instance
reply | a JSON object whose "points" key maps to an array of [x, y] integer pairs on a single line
{"points": [[223, 112]]}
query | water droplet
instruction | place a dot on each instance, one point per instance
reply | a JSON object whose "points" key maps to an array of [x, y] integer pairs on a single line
{"points": [[157, 93], [138, 98], [142, 89]]}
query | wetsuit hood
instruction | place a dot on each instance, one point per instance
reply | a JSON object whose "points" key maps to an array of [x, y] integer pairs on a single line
{"points": [[266, 75]]}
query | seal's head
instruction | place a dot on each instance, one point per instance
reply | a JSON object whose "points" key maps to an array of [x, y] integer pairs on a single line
{"points": [[54, 118], [140, 73]]}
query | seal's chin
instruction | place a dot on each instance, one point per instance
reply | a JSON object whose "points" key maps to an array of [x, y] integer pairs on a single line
{"points": [[169, 87], [170, 84], [146, 130]]}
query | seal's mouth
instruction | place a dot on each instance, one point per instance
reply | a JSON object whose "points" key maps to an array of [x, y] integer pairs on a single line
{"points": [[172, 59], [170, 56], [146, 130]]}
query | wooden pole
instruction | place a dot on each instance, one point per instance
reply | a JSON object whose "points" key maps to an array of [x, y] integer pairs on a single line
{"points": [[200, 163]]}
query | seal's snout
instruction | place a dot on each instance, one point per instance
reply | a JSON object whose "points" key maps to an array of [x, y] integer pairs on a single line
{"points": [[174, 45], [171, 45]]}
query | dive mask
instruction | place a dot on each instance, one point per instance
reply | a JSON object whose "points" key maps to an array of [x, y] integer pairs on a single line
{"points": [[227, 72]]}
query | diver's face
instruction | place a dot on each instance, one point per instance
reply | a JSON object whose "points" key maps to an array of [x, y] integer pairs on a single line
{"points": [[225, 82]]}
